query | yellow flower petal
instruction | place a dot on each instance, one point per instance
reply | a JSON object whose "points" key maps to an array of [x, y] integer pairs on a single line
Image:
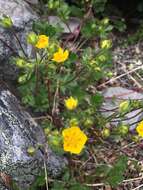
{"points": [[61, 55], [60, 51], [139, 129], [71, 103], [74, 139], [66, 54], [42, 42]]}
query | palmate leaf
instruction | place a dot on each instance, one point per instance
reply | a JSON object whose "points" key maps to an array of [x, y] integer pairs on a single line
{"points": [[102, 170], [116, 174], [97, 100], [47, 29], [90, 28], [39, 182]]}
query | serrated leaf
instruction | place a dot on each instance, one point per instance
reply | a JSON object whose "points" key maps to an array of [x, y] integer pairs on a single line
{"points": [[116, 174], [102, 170], [97, 99], [45, 28]]}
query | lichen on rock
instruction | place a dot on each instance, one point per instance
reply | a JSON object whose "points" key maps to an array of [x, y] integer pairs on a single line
{"points": [[18, 132]]}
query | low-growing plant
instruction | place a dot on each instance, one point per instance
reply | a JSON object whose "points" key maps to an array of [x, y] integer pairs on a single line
{"points": [[59, 80]]}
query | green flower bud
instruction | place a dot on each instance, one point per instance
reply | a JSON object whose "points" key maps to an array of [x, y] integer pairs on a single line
{"points": [[22, 78], [6, 22], [110, 74], [74, 122], [105, 133], [124, 106], [54, 140], [55, 132], [136, 138], [32, 38], [102, 58], [105, 21], [31, 151], [47, 131], [93, 26], [106, 44], [123, 129], [88, 122], [20, 62]]}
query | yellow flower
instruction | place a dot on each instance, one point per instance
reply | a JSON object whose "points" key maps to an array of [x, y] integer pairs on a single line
{"points": [[71, 103], [74, 139], [139, 129], [42, 42], [61, 55], [106, 44]]}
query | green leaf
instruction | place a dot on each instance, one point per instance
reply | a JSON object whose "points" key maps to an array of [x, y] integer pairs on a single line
{"points": [[116, 174], [99, 5], [78, 93], [63, 11], [66, 176], [39, 181], [97, 100], [78, 187], [58, 186], [76, 11], [90, 29], [102, 170], [73, 57], [120, 25], [47, 29]]}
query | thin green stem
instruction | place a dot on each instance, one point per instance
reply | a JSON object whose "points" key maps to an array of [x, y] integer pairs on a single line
{"points": [[36, 74], [17, 38], [75, 77]]}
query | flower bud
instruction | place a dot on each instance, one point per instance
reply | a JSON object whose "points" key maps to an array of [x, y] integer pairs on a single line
{"points": [[105, 133], [32, 38], [73, 122], [54, 140], [136, 138], [20, 62], [123, 129], [55, 132], [31, 151], [124, 106], [102, 58], [47, 131], [106, 44], [6, 22], [22, 78], [88, 122], [105, 21]]}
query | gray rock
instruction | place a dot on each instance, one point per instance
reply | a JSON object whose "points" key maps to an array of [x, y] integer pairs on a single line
{"points": [[19, 132], [114, 96], [22, 16], [33, 2], [73, 23], [19, 11]]}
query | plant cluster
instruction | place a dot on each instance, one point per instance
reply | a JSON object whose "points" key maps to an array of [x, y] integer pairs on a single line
{"points": [[58, 81]]}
